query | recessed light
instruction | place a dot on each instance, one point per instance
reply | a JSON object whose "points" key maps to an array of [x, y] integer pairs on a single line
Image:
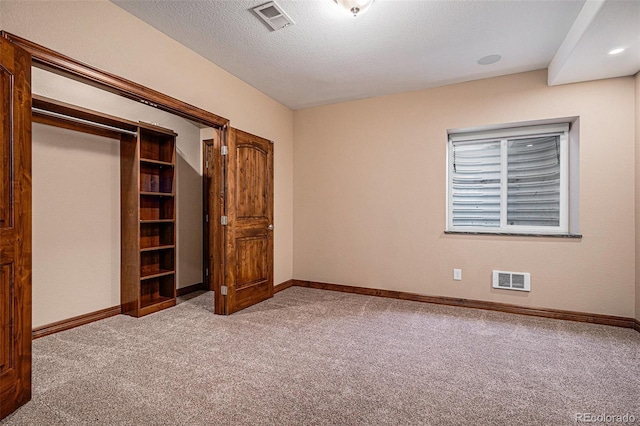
{"points": [[489, 59], [616, 51]]}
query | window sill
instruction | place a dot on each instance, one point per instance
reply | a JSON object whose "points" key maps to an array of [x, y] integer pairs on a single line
{"points": [[513, 234]]}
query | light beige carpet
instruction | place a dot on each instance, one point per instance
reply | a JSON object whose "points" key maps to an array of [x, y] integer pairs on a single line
{"points": [[314, 357]]}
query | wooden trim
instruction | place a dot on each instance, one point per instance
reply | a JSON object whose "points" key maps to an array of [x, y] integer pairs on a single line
{"points": [[283, 286], [60, 64], [636, 325], [190, 289], [479, 304], [70, 323]]}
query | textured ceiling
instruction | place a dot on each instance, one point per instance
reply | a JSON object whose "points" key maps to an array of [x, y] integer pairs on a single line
{"points": [[329, 56]]}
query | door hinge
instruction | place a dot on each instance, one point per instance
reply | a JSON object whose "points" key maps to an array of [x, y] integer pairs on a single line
{"points": [[206, 218], [207, 271], [206, 164], [224, 150], [223, 290], [223, 220]]}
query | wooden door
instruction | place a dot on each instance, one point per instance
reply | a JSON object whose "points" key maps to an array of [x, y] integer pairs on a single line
{"points": [[249, 230], [15, 228]]}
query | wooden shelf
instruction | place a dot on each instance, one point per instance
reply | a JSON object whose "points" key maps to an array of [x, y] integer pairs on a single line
{"points": [[157, 248], [90, 116], [149, 306], [158, 194], [157, 234], [157, 208], [157, 274], [154, 301], [158, 221], [157, 293], [156, 179], [156, 162], [157, 146]]}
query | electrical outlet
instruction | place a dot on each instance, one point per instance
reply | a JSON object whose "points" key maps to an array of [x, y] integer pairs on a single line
{"points": [[457, 274]]}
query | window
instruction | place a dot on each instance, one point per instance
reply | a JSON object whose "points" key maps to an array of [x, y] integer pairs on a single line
{"points": [[512, 180]]}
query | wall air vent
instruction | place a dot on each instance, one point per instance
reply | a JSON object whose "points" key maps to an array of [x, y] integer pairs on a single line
{"points": [[273, 15], [512, 280]]}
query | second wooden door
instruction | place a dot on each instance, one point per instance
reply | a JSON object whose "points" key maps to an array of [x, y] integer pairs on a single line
{"points": [[248, 233]]}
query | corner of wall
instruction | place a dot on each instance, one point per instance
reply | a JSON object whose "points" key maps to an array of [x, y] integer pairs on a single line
{"points": [[637, 193]]}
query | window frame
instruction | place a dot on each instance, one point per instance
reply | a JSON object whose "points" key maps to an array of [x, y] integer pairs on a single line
{"points": [[504, 134]]}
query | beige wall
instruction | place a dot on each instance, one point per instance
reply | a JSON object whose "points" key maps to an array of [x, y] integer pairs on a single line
{"points": [[370, 203], [103, 35], [637, 181]]}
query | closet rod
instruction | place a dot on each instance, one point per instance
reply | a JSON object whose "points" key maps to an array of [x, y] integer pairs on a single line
{"points": [[83, 121]]}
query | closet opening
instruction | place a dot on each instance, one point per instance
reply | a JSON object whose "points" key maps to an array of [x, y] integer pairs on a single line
{"points": [[80, 137]]}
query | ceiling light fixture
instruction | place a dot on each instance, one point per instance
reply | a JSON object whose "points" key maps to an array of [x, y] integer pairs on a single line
{"points": [[355, 6], [616, 51]]}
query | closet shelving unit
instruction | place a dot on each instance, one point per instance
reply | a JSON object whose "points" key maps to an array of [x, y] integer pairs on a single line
{"points": [[147, 195]]}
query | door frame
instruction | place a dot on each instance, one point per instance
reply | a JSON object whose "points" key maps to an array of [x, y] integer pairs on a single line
{"points": [[58, 63], [213, 205]]}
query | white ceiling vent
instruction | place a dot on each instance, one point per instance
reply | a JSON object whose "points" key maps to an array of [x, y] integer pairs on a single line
{"points": [[512, 280], [273, 15]]}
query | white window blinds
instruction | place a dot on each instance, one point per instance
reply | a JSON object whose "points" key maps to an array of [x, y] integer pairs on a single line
{"points": [[512, 180], [475, 187], [533, 176]]}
